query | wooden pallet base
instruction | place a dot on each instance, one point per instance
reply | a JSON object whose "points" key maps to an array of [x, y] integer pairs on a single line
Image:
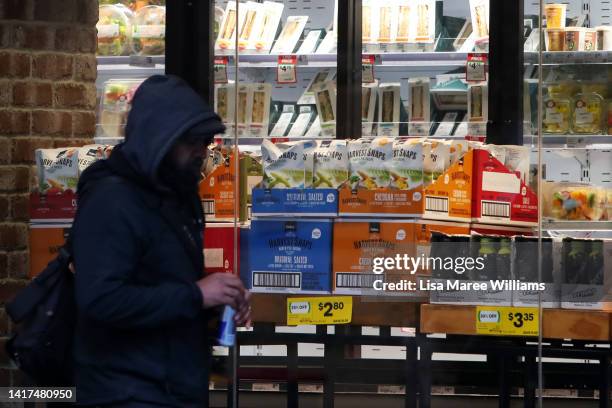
{"points": [[556, 323], [272, 308]]}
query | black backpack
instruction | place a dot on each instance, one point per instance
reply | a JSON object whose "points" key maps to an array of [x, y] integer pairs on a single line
{"points": [[45, 314]]}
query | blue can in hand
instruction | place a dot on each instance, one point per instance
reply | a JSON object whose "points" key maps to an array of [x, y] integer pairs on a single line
{"points": [[227, 329]]}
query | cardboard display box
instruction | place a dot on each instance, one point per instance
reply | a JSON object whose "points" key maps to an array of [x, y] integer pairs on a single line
{"points": [[449, 197], [59, 208], [382, 203], [479, 188], [217, 191], [307, 202], [289, 256], [219, 248], [587, 274], [525, 268], [357, 242], [499, 196], [45, 242]]}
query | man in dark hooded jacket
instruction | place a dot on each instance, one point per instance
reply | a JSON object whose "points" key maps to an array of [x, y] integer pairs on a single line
{"points": [[142, 303]]}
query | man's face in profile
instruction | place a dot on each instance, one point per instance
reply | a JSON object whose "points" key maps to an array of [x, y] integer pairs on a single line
{"points": [[184, 163]]}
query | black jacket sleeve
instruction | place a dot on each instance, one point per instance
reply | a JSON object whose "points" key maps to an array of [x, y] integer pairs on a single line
{"points": [[108, 242]]}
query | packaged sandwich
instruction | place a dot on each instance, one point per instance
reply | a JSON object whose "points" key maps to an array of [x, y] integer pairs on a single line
{"points": [[404, 25], [58, 170], [227, 33], [386, 22], [389, 109], [331, 167], [284, 121], [263, 37], [419, 98], [425, 20], [369, 162], [479, 11], [287, 165], [260, 109], [224, 104], [298, 129], [406, 167], [436, 159], [325, 97], [308, 97], [368, 107], [366, 21], [253, 13], [149, 30], [288, 38]]}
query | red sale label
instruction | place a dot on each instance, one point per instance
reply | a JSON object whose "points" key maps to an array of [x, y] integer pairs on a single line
{"points": [[286, 71], [220, 70], [476, 67], [367, 69]]}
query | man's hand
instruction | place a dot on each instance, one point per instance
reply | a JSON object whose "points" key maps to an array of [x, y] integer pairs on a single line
{"points": [[223, 289], [243, 313]]}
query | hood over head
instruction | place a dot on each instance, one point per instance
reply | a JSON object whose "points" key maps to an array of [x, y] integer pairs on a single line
{"points": [[164, 108]]}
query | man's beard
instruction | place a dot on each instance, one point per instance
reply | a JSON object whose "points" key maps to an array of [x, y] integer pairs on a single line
{"points": [[182, 179]]}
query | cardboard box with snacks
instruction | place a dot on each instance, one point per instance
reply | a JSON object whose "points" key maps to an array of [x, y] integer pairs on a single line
{"points": [[289, 256], [357, 242]]}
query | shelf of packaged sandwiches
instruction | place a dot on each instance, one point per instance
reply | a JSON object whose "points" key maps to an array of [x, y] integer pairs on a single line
{"points": [[566, 225], [570, 57], [381, 59], [367, 311], [572, 324], [271, 60]]}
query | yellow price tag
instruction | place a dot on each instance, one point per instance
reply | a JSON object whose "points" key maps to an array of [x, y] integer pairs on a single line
{"points": [[319, 310], [507, 321]]}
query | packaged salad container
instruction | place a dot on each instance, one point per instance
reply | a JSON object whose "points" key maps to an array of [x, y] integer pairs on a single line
{"points": [[556, 114], [587, 113], [149, 31], [113, 31], [574, 201]]}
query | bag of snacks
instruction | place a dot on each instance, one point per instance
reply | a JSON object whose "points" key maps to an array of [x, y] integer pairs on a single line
{"points": [[58, 170], [436, 159], [287, 165], [331, 168], [369, 162], [406, 167], [90, 154]]}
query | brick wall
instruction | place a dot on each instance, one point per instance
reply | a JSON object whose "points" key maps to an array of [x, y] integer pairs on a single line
{"points": [[47, 99]]}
